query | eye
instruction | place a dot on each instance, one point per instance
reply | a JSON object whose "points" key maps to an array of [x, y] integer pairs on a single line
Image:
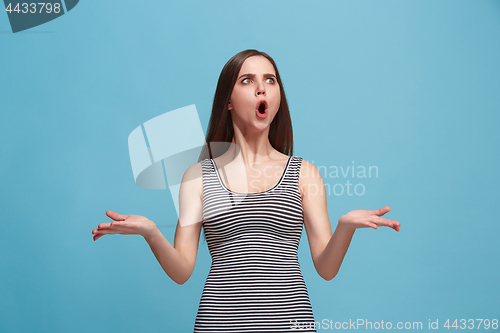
{"points": [[270, 80], [246, 80]]}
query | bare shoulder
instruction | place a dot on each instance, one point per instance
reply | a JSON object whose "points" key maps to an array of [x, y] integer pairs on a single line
{"points": [[309, 177], [193, 180], [194, 171], [308, 170]]}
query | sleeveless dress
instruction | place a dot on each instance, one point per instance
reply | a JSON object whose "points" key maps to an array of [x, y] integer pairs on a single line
{"points": [[255, 283]]}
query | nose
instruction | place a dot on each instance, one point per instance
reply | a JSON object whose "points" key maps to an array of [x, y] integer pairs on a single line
{"points": [[261, 89]]}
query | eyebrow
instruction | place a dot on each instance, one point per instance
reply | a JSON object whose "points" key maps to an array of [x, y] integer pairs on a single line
{"points": [[267, 75]]}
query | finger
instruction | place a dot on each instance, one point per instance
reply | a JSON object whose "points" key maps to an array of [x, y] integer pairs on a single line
{"points": [[108, 225], [110, 228], [96, 237], [108, 232], [103, 226], [395, 225], [99, 231], [119, 224], [381, 211], [115, 216], [121, 227], [385, 222], [96, 234]]}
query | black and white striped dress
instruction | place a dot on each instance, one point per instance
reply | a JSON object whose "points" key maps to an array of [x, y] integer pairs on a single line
{"points": [[255, 283]]}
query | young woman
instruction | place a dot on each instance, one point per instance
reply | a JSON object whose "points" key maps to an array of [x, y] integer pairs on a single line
{"points": [[252, 197]]}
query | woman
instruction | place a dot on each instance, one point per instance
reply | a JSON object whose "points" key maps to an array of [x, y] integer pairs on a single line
{"points": [[252, 217]]}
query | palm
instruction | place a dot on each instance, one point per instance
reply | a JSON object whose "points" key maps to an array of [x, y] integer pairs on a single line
{"points": [[368, 219], [124, 225]]}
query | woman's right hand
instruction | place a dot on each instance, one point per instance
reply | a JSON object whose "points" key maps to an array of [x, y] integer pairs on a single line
{"points": [[125, 225]]}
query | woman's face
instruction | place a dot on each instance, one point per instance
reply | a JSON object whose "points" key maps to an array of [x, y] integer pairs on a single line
{"points": [[256, 97]]}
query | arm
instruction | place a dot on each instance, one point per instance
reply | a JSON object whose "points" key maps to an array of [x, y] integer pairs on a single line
{"points": [[177, 261], [328, 250]]}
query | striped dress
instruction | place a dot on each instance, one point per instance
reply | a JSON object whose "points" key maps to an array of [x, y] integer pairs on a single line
{"points": [[255, 283]]}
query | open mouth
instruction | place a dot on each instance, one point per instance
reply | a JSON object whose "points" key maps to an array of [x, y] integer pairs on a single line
{"points": [[262, 108]]}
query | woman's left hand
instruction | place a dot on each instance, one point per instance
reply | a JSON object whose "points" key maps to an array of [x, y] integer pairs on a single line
{"points": [[368, 219]]}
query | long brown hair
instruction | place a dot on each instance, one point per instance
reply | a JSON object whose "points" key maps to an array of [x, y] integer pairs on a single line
{"points": [[220, 125]]}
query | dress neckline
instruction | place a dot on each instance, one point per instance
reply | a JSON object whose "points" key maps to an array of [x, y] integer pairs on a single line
{"points": [[272, 188]]}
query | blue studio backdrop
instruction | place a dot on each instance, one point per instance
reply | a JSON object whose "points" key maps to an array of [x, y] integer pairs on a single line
{"points": [[407, 89]]}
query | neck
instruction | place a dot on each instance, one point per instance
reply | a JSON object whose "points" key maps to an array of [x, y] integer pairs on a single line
{"points": [[251, 147]]}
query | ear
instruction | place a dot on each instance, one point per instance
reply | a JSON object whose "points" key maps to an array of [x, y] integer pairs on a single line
{"points": [[229, 106]]}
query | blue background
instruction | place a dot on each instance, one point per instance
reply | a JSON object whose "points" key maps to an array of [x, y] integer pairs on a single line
{"points": [[411, 87]]}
